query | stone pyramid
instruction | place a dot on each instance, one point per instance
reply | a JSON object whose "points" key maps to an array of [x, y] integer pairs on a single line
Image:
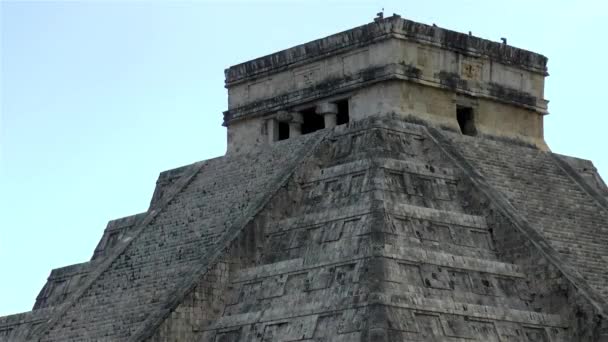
{"points": [[397, 209]]}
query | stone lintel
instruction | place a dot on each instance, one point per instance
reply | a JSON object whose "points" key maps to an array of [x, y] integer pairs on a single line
{"points": [[289, 117]]}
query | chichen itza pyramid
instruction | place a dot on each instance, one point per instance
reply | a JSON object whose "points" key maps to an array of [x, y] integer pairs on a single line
{"points": [[386, 183]]}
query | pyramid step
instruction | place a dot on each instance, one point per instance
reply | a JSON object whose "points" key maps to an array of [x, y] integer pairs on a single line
{"points": [[451, 261], [433, 274], [289, 306], [364, 164], [260, 288], [501, 297], [323, 175], [405, 181], [328, 215], [292, 266], [349, 248], [459, 234], [397, 210], [421, 326], [436, 215], [419, 303], [445, 247], [329, 300], [451, 282]]}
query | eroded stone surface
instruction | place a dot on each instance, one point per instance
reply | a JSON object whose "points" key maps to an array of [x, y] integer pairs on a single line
{"points": [[390, 66], [392, 225]]}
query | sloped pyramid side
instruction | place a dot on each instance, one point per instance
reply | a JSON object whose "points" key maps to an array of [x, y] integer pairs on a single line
{"points": [[387, 231], [388, 240], [176, 241], [542, 189]]}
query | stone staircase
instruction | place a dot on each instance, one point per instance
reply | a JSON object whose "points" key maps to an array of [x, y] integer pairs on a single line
{"points": [[553, 203]]}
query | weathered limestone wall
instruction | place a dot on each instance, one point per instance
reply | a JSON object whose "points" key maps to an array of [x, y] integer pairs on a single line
{"points": [[203, 304], [247, 136], [408, 99], [61, 283], [313, 72], [505, 84], [549, 199], [390, 228], [116, 231], [589, 174], [215, 292], [439, 106], [518, 242], [15, 328], [567, 300], [392, 242], [508, 121], [377, 236], [176, 241]]}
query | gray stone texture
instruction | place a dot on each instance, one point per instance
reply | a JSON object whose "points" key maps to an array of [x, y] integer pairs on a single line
{"points": [[170, 244], [389, 228], [377, 233], [391, 247], [547, 197]]}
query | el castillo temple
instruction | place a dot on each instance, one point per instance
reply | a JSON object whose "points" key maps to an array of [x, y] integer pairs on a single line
{"points": [[387, 183]]}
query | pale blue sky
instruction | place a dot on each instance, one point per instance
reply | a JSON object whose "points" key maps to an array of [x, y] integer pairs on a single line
{"points": [[98, 97]]}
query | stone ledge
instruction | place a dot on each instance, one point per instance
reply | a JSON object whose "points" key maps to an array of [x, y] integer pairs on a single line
{"points": [[393, 26], [25, 317], [319, 304], [70, 270], [592, 184], [470, 310], [421, 256], [372, 75], [318, 218], [406, 210]]}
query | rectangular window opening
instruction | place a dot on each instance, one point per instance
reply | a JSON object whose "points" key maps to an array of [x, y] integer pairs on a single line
{"points": [[343, 115], [466, 120], [283, 130], [312, 121]]}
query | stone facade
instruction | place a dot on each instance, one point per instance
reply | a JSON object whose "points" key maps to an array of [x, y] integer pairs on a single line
{"points": [[392, 66], [388, 183]]}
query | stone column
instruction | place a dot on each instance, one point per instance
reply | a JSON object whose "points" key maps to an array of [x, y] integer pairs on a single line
{"points": [[272, 128], [294, 120], [329, 112], [295, 125]]}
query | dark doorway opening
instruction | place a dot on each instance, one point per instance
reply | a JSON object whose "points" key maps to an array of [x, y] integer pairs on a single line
{"points": [[343, 116], [283, 130], [466, 121], [312, 121]]}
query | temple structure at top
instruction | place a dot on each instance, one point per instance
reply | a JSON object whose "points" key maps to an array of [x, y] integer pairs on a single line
{"points": [[391, 65]]}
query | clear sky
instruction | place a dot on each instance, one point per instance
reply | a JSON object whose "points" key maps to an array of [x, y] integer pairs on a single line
{"points": [[98, 97]]}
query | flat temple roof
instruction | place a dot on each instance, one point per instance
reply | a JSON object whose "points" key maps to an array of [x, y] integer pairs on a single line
{"points": [[390, 27]]}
